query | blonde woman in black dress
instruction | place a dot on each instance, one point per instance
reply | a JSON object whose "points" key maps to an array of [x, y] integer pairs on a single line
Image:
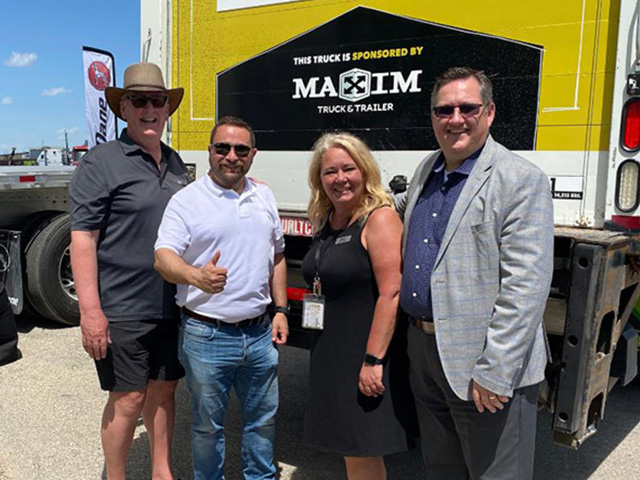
{"points": [[359, 402]]}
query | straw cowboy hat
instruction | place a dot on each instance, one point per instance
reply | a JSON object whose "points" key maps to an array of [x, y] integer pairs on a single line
{"points": [[142, 77]]}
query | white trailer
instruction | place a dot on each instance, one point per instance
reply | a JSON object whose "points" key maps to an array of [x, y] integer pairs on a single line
{"points": [[34, 241], [567, 88]]}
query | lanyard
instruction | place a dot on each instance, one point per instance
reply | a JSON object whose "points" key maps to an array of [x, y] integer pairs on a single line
{"points": [[317, 284], [323, 244]]}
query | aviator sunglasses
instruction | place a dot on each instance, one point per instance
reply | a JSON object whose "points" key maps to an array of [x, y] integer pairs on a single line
{"points": [[140, 101], [224, 149], [466, 110]]}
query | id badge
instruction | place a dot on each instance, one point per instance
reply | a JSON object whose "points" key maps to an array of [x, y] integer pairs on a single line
{"points": [[313, 311]]}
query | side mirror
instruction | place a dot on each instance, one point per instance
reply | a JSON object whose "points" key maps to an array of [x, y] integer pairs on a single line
{"points": [[398, 184]]}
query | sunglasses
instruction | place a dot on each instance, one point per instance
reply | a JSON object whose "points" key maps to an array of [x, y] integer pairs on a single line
{"points": [[223, 149], [140, 101], [466, 110]]}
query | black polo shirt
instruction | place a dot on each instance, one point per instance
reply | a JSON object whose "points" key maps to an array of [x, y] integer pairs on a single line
{"points": [[119, 190]]}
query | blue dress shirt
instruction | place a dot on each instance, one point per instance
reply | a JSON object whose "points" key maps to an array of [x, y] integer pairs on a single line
{"points": [[427, 225]]}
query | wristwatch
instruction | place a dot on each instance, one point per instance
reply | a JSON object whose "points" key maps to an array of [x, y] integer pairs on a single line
{"points": [[286, 309], [372, 360]]}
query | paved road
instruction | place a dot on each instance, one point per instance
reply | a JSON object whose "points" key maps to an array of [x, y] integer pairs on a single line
{"points": [[50, 406]]}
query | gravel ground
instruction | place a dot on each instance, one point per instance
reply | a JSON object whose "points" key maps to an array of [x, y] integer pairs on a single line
{"points": [[50, 407]]}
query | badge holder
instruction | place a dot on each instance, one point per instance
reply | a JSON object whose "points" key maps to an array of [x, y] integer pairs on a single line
{"points": [[313, 307]]}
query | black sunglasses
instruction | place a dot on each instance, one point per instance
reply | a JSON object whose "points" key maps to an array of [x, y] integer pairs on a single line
{"points": [[140, 101], [223, 148], [466, 110]]}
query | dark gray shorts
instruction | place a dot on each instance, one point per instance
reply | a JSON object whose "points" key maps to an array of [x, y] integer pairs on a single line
{"points": [[140, 350]]}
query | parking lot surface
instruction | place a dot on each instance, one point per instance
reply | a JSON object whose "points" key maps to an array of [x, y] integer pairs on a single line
{"points": [[50, 408]]}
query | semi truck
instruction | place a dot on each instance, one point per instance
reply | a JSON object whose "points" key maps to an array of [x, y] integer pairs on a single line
{"points": [[567, 87]]}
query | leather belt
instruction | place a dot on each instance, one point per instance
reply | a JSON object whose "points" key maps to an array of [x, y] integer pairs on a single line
{"points": [[249, 322], [425, 325]]}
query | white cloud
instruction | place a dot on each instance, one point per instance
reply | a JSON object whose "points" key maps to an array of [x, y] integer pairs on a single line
{"points": [[7, 101], [54, 92], [69, 131], [21, 59]]}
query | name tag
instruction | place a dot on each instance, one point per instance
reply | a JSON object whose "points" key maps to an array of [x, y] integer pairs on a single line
{"points": [[341, 240], [313, 311]]}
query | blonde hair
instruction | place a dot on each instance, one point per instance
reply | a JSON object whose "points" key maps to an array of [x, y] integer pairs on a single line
{"points": [[374, 194]]}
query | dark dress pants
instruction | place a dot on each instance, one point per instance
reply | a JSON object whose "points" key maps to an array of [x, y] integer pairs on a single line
{"points": [[8, 332], [458, 442]]}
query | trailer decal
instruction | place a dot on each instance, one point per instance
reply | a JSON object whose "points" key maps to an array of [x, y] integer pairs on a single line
{"points": [[324, 79], [566, 187], [298, 227]]}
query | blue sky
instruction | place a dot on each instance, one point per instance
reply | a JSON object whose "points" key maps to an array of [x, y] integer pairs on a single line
{"points": [[41, 72]]}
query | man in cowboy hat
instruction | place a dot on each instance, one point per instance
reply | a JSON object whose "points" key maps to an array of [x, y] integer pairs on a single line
{"points": [[128, 317]]}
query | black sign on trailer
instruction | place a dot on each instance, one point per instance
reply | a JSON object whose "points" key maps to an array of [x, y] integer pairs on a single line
{"points": [[371, 73]]}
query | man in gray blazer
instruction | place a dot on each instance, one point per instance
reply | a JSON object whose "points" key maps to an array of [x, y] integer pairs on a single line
{"points": [[478, 260]]}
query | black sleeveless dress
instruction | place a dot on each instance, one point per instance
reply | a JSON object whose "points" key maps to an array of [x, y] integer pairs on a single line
{"points": [[339, 418]]}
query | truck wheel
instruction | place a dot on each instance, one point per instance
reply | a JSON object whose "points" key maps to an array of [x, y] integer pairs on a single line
{"points": [[50, 286]]}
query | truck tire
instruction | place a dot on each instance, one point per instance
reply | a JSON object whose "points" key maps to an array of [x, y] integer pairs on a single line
{"points": [[49, 283]]}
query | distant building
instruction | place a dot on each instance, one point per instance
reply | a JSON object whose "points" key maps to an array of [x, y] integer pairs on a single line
{"points": [[16, 158]]}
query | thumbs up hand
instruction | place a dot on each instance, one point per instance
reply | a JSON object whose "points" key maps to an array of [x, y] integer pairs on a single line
{"points": [[211, 278]]}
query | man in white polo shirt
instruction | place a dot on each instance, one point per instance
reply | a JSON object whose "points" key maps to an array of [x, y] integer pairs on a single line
{"points": [[221, 242]]}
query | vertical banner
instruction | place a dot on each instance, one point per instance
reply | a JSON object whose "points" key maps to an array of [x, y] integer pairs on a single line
{"points": [[99, 73]]}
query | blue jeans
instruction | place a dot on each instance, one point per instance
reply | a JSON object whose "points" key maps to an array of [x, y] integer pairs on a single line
{"points": [[215, 359]]}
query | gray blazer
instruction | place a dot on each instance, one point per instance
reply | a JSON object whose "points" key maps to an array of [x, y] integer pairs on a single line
{"points": [[492, 274]]}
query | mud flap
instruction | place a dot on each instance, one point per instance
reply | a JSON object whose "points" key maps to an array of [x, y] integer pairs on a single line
{"points": [[11, 268]]}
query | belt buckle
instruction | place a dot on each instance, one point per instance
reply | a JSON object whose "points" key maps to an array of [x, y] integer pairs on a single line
{"points": [[242, 323], [249, 322], [426, 327]]}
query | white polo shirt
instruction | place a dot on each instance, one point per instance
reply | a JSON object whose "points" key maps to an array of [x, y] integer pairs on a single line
{"points": [[203, 218]]}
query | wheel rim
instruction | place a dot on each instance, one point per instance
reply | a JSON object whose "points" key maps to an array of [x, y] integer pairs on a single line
{"points": [[66, 277]]}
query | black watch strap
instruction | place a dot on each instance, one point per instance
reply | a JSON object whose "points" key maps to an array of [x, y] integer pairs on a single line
{"points": [[284, 309], [372, 360]]}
